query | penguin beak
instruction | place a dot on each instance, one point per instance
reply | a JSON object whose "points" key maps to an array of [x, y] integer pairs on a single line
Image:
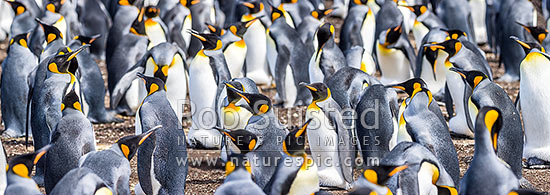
{"points": [[196, 34], [229, 85], [458, 71], [74, 53], [146, 135], [434, 46], [249, 5], [41, 153], [523, 44], [302, 131], [312, 89], [250, 22], [397, 86], [524, 27], [398, 169]]}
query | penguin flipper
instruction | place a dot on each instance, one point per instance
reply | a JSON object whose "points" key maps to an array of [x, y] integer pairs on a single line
{"points": [[467, 95], [124, 83], [283, 60], [30, 83], [407, 48], [448, 101], [345, 151], [516, 103], [183, 55]]}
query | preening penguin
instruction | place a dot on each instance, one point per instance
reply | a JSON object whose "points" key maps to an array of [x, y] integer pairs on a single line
{"points": [[169, 139], [72, 137], [207, 72], [238, 177], [487, 173], [19, 171], [347, 86], [327, 58], [17, 65], [296, 173], [395, 54], [113, 165], [81, 181]]}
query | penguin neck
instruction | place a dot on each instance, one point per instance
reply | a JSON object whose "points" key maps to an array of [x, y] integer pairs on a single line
{"points": [[116, 148], [239, 174], [69, 111], [483, 145]]}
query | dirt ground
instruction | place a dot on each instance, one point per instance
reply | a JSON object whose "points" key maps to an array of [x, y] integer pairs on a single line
{"points": [[204, 179]]}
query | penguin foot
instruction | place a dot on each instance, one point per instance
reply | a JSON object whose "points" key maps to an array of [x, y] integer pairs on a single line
{"points": [[536, 163]]}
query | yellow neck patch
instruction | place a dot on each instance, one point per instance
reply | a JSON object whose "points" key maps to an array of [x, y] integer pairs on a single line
{"points": [[125, 150], [240, 43], [153, 88], [50, 38], [371, 176], [229, 167], [21, 170]]}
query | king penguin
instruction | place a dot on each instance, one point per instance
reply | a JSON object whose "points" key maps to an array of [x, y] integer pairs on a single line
{"points": [[81, 181], [359, 28], [19, 171], [256, 65], [487, 173], [73, 137], [126, 13], [155, 29], [207, 72], [113, 165], [395, 55], [329, 138], [310, 25], [178, 22], [300, 175], [169, 139], [235, 49], [235, 109], [425, 21], [430, 62], [238, 177], [327, 58], [19, 62]]}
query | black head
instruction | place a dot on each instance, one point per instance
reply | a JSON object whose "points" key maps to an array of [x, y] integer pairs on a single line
{"points": [[55, 5], [71, 101], [319, 91], [410, 85], [321, 13], [20, 39], [446, 190], [152, 84], [380, 174], [295, 141], [239, 28], [236, 162], [253, 6], [418, 9], [324, 33], [393, 34], [539, 33], [455, 34], [130, 144], [489, 119], [138, 26], [152, 11], [189, 3], [360, 2], [22, 165], [127, 2], [215, 29], [84, 40], [209, 41], [18, 8], [527, 46], [245, 140], [451, 46], [232, 96], [276, 14], [50, 32], [65, 61], [259, 103], [473, 77]]}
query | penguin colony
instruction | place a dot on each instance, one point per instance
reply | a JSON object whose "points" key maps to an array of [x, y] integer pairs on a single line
{"points": [[213, 55]]}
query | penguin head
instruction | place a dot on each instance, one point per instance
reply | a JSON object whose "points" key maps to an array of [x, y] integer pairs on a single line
{"points": [[539, 33], [129, 144], [237, 162], [65, 61], [152, 84], [379, 175], [138, 26], [409, 85], [451, 46], [488, 123], [50, 32], [289, 1], [324, 33], [71, 101], [259, 103], [55, 5], [446, 190], [254, 6], [215, 29], [319, 91], [84, 40], [417, 9], [18, 7], [209, 41], [189, 3], [238, 29], [232, 96], [319, 14], [22, 165], [152, 11], [473, 77], [276, 14], [455, 34], [103, 189], [128, 2], [391, 35], [527, 46], [245, 140], [20, 39], [360, 2], [295, 141]]}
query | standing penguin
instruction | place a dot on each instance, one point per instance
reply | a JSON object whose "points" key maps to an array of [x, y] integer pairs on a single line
{"points": [[359, 28], [265, 125], [113, 165], [256, 65], [169, 139], [178, 22], [327, 58], [235, 50], [95, 20], [532, 99], [92, 83], [16, 66], [300, 176], [430, 62], [387, 17], [73, 137], [126, 13], [207, 72], [425, 21], [486, 168], [81, 181], [19, 171], [238, 177], [288, 58], [155, 29], [395, 55], [328, 127]]}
